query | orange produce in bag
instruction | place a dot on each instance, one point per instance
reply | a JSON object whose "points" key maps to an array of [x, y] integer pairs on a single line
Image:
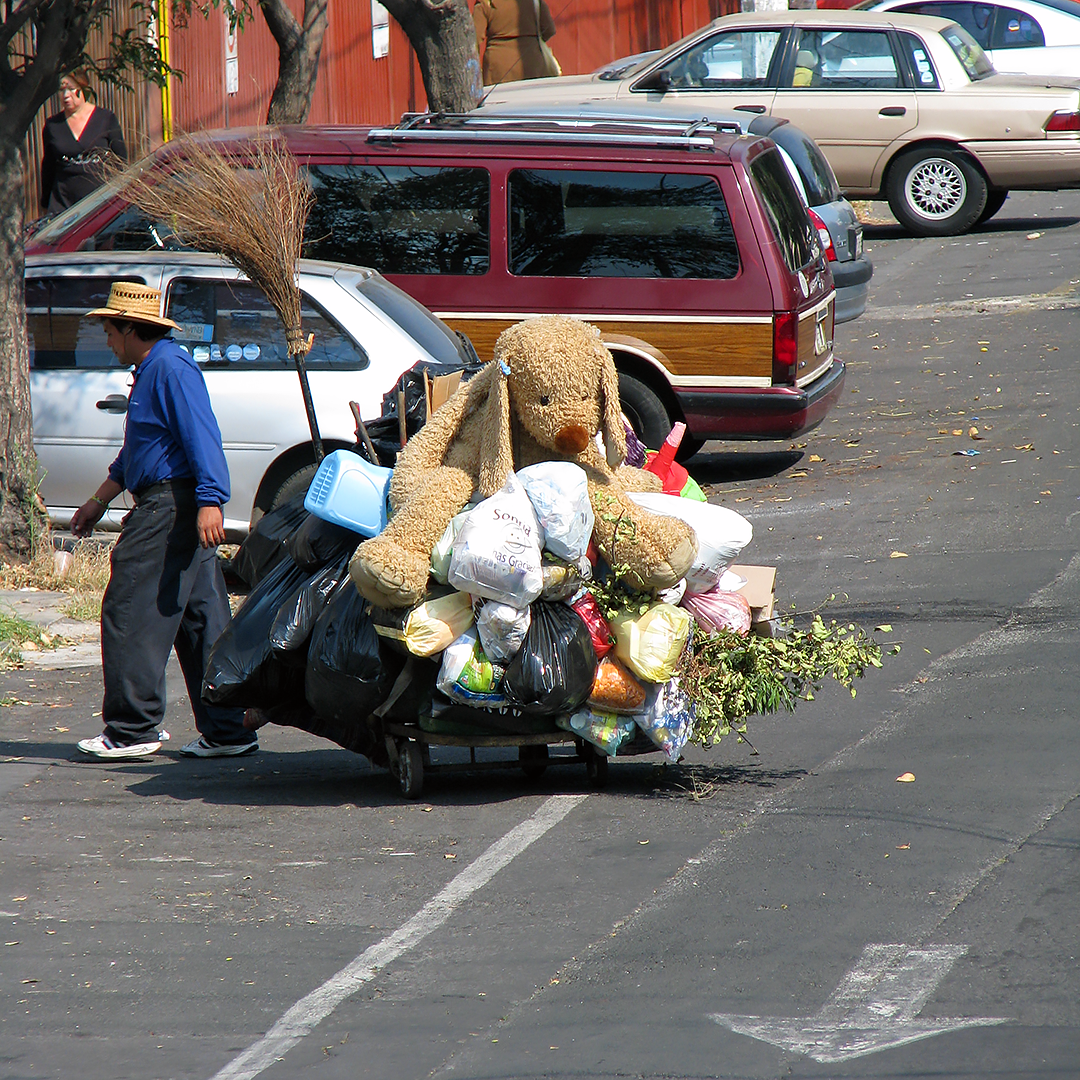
{"points": [[615, 689]]}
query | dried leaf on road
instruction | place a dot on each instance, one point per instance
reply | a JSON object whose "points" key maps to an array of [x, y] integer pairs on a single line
{"points": [[906, 778]]}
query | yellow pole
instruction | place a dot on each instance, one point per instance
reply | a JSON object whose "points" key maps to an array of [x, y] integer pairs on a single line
{"points": [[166, 90]]}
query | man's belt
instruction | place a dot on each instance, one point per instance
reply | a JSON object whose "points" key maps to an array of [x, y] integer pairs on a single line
{"points": [[177, 487]]}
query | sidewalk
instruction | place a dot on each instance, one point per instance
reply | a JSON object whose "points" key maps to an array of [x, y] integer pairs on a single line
{"points": [[82, 646]]}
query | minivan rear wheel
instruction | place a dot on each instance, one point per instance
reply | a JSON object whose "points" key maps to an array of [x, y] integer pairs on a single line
{"points": [[295, 483], [935, 192], [647, 414]]}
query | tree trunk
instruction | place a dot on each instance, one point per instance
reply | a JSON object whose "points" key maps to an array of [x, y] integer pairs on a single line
{"points": [[18, 466], [442, 34], [298, 58]]}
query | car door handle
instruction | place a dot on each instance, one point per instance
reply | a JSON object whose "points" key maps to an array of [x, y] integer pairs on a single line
{"points": [[752, 108], [115, 403], [892, 110]]}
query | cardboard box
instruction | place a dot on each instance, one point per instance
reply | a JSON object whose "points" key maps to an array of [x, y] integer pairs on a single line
{"points": [[759, 590]]}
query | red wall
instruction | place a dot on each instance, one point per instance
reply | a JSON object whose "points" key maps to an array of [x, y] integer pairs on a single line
{"points": [[354, 87]]}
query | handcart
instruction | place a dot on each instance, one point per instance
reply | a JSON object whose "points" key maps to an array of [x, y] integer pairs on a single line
{"points": [[409, 748]]}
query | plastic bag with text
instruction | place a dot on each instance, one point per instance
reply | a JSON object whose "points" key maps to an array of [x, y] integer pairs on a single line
{"points": [[668, 719], [468, 677]]}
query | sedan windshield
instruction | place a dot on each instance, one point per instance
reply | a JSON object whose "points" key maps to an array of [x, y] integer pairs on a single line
{"points": [[968, 51]]}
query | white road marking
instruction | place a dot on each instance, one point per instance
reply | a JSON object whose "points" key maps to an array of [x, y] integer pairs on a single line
{"points": [[873, 1009], [312, 1009]]}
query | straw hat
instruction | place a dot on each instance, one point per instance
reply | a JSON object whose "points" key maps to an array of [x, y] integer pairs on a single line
{"points": [[134, 301]]}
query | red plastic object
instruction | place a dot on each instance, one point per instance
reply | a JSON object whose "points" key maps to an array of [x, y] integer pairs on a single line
{"points": [[664, 465], [591, 615]]}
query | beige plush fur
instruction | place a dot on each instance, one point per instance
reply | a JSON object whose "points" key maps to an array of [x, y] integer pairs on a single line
{"points": [[561, 389]]}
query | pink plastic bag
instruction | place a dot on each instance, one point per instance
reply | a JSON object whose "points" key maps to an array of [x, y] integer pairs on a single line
{"points": [[716, 610]]}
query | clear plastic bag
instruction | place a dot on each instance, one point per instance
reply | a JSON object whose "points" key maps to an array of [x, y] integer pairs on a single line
{"points": [[444, 547], [502, 629], [615, 689], [468, 677], [430, 626], [605, 730], [497, 552], [668, 719], [559, 493], [563, 580]]}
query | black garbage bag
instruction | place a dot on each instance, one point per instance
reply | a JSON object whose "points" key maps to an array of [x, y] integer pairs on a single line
{"points": [[295, 619], [347, 676], [554, 670], [317, 543], [385, 431], [243, 670], [264, 547]]}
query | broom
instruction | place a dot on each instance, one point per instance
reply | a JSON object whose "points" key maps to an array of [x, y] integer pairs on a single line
{"points": [[252, 209]]}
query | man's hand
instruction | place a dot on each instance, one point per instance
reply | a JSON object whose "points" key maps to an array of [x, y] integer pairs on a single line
{"points": [[211, 525], [86, 517]]}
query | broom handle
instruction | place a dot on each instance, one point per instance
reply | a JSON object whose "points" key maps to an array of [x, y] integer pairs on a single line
{"points": [[362, 433], [309, 408]]}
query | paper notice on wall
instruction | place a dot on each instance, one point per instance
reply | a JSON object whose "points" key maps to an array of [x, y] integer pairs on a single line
{"points": [[232, 59], [380, 30]]}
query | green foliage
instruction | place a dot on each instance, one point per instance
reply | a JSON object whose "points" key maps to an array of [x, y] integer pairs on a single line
{"points": [[731, 678], [17, 634]]}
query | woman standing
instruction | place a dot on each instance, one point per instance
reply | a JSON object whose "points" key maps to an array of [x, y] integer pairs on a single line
{"points": [[74, 143], [512, 34]]}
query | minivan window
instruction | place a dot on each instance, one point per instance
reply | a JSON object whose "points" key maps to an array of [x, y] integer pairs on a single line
{"points": [[790, 225], [59, 334], [581, 223], [401, 219], [231, 324]]}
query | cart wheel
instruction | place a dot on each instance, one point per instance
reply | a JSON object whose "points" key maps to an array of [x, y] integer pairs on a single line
{"points": [[534, 760], [411, 769], [595, 766]]}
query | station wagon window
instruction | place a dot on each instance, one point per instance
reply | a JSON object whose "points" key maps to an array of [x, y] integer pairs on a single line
{"points": [[727, 61], [787, 217], [231, 324], [1015, 30], [845, 60], [976, 19], [59, 334], [580, 223], [923, 75], [401, 219]]}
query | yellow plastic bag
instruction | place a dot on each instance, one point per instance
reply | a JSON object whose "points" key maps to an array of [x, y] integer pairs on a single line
{"points": [[431, 626], [650, 645]]}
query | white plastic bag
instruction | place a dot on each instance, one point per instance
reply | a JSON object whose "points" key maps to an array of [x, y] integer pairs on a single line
{"points": [[497, 552], [721, 534], [444, 547], [559, 492], [502, 629]]}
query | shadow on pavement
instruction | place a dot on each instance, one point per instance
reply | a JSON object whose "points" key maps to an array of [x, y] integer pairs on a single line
{"points": [[727, 466], [997, 224]]}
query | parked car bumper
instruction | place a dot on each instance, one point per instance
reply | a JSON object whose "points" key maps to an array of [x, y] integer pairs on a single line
{"points": [[852, 281], [781, 412], [1051, 164]]}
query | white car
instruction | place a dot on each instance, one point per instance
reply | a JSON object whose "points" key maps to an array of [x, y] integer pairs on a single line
{"points": [[1023, 37], [367, 332]]}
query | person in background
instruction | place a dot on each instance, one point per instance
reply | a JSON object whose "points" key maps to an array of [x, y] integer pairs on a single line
{"points": [[509, 35], [166, 588], [74, 144]]}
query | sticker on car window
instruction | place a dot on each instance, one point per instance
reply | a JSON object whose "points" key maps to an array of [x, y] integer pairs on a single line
{"points": [[252, 351], [201, 354], [233, 353]]}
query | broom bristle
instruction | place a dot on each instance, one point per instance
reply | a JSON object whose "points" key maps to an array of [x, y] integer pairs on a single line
{"points": [[250, 206]]}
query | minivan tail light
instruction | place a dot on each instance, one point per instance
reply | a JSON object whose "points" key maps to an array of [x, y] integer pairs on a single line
{"points": [[823, 235], [1063, 120], [785, 349]]}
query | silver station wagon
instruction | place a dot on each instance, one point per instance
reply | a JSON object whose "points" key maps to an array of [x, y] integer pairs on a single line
{"points": [[367, 332]]}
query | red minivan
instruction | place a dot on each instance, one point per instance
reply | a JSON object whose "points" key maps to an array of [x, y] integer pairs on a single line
{"points": [[687, 244]]}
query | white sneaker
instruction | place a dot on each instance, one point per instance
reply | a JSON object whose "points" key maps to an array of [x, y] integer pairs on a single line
{"points": [[203, 747], [101, 746]]}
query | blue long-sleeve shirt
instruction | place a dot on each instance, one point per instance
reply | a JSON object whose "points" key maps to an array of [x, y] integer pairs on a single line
{"points": [[171, 432]]}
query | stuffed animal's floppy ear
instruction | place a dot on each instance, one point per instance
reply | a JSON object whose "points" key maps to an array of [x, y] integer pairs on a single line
{"points": [[496, 446], [611, 421]]}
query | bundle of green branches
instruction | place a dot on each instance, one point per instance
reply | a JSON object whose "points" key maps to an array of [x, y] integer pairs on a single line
{"points": [[730, 678], [252, 209]]}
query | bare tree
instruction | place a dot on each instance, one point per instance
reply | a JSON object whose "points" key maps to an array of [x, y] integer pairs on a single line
{"points": [[442, 35], [299, 46]]}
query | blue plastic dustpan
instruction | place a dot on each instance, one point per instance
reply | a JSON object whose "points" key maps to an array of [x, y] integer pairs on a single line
{"points": [[350, 491]]}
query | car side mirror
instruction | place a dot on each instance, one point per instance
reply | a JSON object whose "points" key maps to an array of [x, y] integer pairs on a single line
{"points": [[659, 81]]}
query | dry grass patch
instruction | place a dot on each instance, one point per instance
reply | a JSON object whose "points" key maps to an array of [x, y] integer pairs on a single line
{"points": [[83, 576]]}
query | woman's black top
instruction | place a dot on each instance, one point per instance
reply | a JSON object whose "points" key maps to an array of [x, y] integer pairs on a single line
{"points": [[70, 167]]}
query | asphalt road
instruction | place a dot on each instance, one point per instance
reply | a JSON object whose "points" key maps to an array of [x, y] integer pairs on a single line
{"points": [[794, 913]]}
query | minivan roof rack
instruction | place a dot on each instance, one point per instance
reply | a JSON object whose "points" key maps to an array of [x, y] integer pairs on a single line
{"points": [[588, 130]]}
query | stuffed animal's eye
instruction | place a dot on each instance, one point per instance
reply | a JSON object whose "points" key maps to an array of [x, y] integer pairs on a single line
{"points": [[544, 399]]}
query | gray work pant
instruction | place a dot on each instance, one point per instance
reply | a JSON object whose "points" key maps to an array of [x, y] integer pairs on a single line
{"points": [[164, 592]]}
